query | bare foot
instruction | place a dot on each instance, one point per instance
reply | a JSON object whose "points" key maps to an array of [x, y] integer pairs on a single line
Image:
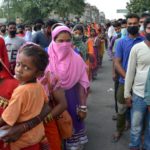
{"points": [[116, 136]]}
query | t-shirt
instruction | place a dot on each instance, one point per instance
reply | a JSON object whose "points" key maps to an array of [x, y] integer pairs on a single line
{"points": [[40, 39], [138, 67], [111, 31], [12, 46], [112, 43], [123, 49], [26, 102]]}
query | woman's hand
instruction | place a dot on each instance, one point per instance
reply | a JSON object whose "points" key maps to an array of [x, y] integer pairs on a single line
{"points": [[82, 115], [13, 133]]}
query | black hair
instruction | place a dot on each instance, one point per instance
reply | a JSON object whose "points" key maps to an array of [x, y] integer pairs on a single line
{"points": [[11, 23], [20, 26], [79, 27], [145, 15], [56, 25], [50, 23], [124, 21], [119, 20], [40, 57], [28, 26], [39, 21], [108, 24], [3, 25], [146, 22], [116, 24], [129, 16], [60, 33]]}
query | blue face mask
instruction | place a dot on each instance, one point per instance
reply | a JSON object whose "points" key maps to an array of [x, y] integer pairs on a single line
{"points": [[123, 32], [118, 33]]}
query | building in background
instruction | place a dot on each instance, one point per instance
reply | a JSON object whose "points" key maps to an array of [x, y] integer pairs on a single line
{"points": [[91, 14], [102, 18]]}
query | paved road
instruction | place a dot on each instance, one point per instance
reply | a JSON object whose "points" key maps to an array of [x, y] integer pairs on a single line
{"points": [[100, 126]]}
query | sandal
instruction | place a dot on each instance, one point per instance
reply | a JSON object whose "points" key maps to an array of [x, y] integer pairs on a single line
{"points": [[116, 136]]}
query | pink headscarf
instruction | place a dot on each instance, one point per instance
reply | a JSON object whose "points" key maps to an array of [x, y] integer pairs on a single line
{"points": [[68, 66]]}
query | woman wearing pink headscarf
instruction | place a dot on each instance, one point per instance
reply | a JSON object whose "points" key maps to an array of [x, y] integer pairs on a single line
{"points": [[70, 70]]}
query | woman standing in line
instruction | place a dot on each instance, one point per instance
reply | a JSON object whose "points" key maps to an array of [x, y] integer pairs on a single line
{"points": [[70, 69]]}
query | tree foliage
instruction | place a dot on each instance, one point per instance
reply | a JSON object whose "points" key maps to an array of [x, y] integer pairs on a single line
{"points": [[30, 10], [65, 7], [138, 6]]}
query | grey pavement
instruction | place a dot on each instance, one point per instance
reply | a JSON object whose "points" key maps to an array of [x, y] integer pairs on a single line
{"points": [[100, 125]]}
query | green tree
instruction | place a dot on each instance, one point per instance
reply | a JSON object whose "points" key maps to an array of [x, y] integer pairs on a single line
{"points": [[65, 7], [30, 10], [138, 6]]}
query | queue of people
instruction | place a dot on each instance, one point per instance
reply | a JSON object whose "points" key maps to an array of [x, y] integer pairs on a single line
{"points": [[47, 69], [42, 75], [130, 70]]}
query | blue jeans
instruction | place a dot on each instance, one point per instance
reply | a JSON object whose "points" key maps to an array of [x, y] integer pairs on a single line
{"points": [[138, 112]]}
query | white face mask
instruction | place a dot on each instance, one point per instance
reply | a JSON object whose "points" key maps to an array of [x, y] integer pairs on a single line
{"points": [[141, 28]]}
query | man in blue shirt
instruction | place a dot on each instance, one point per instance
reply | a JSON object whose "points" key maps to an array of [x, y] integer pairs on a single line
{"points": [[122, 53], [43, 38]]}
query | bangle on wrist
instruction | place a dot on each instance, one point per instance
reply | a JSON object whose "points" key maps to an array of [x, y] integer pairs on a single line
{"points": [[48, 118], [39, 119], [25, 127], [83, 107], [83, 110]]}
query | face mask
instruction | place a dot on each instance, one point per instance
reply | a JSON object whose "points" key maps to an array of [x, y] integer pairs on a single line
{"points": [[133, 30], [123, 32], [28, 36], [118, 33], [12, 33], [3, 30], [62, 49], [77, 37], [147, 36], [141, 28]]}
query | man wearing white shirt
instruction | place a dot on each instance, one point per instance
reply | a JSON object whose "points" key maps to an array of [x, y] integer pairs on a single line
{"points": [[135, 80]]}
